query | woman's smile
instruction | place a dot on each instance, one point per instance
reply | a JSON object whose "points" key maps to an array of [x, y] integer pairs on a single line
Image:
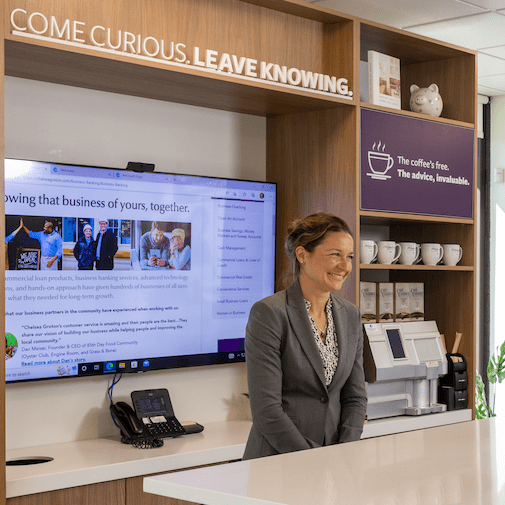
{"points": [[327, 267]]}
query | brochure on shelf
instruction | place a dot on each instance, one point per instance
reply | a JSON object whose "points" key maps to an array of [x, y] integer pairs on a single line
{"points": [[384, 80]]}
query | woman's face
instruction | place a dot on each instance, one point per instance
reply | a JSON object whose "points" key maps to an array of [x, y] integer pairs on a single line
{"points": [[177, 241], [327, 267]]}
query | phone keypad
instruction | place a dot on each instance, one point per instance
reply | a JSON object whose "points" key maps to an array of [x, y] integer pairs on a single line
{"points": [[168, 428]]}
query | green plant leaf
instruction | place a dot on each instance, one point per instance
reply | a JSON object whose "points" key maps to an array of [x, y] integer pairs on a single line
{"points": [[491, 369], [495, 373], [500, 365], [479, 384], [482, 410], [496, 365]]}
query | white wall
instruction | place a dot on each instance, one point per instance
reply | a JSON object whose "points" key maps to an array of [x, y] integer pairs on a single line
{"points": [[58, 123], [497, 235]]}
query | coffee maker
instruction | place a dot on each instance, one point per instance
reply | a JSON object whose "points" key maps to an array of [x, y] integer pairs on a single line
{"points": [[403, 362]]}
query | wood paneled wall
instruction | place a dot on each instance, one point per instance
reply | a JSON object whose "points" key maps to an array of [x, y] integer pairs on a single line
{"points": [[2, 260], [312, 159]]}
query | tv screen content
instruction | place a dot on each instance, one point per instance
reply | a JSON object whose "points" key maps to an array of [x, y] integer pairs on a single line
{"points": [[109, 270]]}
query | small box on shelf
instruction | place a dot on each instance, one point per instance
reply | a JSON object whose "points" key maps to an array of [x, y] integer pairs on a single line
{"points": [[417, 301], [402, 301], [385, 301], [368, 302]]}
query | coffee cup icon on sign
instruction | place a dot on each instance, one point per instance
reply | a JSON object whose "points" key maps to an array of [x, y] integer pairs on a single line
{"points": [[379, 163]]}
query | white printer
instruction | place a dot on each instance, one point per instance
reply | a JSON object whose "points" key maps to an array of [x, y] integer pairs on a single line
{"points": [[403, 362]]}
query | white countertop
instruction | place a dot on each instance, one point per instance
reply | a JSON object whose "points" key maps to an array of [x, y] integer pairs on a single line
{"points": [[105, 459], [460, 464]]}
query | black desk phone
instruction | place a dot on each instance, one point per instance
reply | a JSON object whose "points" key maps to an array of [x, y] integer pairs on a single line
{"points": [[153, 417]]}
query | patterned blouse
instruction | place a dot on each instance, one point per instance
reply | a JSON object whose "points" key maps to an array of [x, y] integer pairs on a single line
{"points": [[328, 351]]}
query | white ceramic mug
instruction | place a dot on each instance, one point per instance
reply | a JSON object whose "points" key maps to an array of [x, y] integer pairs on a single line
{"points": [[368, 251], [411, 253], [389, 252], [452, 254], [431, 254]]}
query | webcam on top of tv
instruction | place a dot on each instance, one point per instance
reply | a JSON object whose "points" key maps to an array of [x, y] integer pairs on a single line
{"points": [[136, 166]]}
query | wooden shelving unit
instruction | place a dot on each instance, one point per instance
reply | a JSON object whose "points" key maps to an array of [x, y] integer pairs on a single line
{"points": [[449, 291], [312, 139], [320, 153], [417, 115]]}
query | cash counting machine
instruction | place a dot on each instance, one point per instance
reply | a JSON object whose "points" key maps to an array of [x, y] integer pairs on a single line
{"points": [[403, 362]]}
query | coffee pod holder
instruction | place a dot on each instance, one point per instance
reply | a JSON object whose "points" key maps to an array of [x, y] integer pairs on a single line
{"points": [[453, 387]]}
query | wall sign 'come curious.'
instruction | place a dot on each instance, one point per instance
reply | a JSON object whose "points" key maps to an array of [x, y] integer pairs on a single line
{"points": [[36, 25]]}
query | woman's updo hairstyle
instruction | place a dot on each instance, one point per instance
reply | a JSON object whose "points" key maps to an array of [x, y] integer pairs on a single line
{"points": [[308, 233]]}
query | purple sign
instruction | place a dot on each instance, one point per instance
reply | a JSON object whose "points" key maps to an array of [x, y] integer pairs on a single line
{"points": [[415, 166]]}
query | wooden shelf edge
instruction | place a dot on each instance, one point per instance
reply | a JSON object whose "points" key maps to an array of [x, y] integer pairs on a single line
{"points": [[302, 9], [119, 74], [457, 50], [375, 217], [408, 113], [395, 266]]}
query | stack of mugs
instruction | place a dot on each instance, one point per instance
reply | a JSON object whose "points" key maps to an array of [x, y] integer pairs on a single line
{"points": [[387, 252]]}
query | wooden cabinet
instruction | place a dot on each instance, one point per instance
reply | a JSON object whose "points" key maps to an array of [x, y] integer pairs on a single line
{"points": [[312, 137], [136, 496], [112, 493]]}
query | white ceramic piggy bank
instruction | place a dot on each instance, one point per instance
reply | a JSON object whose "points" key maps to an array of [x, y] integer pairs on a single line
{"points": [[426, 100]]}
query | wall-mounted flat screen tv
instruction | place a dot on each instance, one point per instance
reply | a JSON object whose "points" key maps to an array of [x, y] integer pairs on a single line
{"points": [[111, 270]]}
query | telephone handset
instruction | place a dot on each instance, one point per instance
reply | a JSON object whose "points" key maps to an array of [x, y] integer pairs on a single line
{"points": [[129, 423]]}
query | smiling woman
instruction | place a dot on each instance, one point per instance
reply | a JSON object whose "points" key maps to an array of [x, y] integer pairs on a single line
{"points": [[304, 348], [326, 267]]}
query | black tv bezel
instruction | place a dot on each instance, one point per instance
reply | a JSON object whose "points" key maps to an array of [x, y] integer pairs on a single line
{"points": [[163, 363]]}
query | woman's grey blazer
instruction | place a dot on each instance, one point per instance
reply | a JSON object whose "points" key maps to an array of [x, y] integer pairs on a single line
{"points": [[292, 408]]}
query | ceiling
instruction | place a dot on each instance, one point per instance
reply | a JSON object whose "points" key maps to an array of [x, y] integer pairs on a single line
{"points": [[475, 24]]}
